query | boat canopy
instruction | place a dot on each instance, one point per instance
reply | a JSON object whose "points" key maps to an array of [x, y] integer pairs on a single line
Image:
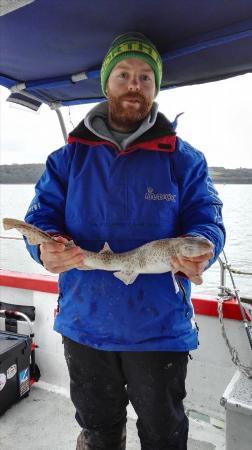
{"points": [[52, 51]]}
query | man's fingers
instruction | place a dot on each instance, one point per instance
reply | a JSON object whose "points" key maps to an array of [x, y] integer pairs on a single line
{"points": [[65, 259], [56, 245], [201, 258], [57, 258], [67, 255], [188, 267], [64, 267], [59, 266], [191, 265]]}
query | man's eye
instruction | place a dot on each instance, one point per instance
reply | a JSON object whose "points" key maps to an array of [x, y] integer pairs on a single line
{"points": [[145, 78], [123, 75]]}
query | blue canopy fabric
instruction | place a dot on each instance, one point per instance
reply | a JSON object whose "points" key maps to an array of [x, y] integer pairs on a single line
{"points": [[56, 47]]}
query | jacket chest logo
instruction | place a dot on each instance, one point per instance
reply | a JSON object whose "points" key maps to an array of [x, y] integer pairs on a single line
{"points": [[151, 195]]}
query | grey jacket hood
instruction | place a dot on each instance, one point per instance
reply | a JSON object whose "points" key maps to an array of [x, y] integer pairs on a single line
{"points": [[96, 122]]}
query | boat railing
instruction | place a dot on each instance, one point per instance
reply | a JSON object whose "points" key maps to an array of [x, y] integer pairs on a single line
{"points": [[228, 293], [224, 267], [245, 305]]}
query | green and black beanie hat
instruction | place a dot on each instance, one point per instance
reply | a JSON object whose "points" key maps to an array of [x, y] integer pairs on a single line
{"points": [[131, 45]]}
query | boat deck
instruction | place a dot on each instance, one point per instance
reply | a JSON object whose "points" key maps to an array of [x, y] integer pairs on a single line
{"points": [[45, 420]]}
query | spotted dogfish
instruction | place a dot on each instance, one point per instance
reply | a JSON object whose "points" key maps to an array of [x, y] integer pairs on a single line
{"points": [[153, 257]]}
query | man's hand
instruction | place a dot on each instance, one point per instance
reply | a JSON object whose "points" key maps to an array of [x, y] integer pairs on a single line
{"points": [[56, 258], [191, 267]]}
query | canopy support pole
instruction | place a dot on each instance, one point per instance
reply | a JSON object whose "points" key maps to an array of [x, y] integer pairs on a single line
{"points": [[62, 124]]}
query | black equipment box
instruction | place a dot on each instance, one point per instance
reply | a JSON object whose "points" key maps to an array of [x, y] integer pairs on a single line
{"points": [[15, 351]]}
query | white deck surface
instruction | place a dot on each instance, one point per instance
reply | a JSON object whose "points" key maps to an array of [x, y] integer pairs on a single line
{"points": [[45, 421]]}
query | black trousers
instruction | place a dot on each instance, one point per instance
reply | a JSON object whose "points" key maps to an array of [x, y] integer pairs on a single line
{"points": [[103, 382]]}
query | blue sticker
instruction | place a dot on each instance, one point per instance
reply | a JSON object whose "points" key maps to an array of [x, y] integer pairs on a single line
{"points": [[24, 381], [24, 375]]}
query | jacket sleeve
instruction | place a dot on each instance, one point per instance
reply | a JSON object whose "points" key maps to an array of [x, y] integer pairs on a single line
{"points": [[200, 205], [47, 209]]}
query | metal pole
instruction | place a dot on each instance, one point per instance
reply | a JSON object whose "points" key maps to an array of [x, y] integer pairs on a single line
{"points": [[62, 124], [222, 292]]}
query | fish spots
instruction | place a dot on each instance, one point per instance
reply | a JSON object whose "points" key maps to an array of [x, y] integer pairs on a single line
{"points": [[142, 257]]}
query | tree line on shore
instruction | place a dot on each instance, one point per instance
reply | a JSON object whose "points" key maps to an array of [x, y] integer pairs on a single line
{"points": [[30, 173]]}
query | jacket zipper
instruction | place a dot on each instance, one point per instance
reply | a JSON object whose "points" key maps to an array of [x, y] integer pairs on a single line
{"points": [[182, 290]]}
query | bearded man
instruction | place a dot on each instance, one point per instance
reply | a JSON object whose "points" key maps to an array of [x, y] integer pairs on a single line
{"points": [[125, 178]]}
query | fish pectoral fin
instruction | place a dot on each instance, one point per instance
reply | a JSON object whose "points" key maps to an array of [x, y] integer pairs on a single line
{"points": [[106, 249], [127, 277]]}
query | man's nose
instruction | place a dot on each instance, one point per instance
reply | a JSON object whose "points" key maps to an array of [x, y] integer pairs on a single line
{"points": [[134, 84]]}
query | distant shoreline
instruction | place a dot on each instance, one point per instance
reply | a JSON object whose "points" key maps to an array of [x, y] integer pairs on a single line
{"points": [[30, 173]]}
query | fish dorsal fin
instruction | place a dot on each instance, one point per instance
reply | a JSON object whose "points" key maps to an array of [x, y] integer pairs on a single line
{"points": [[106, 249]]}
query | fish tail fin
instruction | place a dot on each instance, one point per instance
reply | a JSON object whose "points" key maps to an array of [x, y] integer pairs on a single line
{"points": [[8, 223]]}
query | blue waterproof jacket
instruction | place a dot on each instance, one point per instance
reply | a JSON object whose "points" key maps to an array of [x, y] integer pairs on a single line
{"points": [[157, 188]]}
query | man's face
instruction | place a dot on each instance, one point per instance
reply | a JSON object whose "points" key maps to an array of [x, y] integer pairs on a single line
{"points": [[130, 91]]}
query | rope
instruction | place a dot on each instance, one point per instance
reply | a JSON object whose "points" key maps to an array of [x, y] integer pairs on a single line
{"points": [[239, 272], [10, 237], [246, 370]]}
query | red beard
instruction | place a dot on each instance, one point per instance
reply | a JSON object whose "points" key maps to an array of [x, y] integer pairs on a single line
{"points": [[128, 116]]}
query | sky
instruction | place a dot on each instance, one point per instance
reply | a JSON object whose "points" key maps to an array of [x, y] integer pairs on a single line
{"points": [[217, 120]]}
